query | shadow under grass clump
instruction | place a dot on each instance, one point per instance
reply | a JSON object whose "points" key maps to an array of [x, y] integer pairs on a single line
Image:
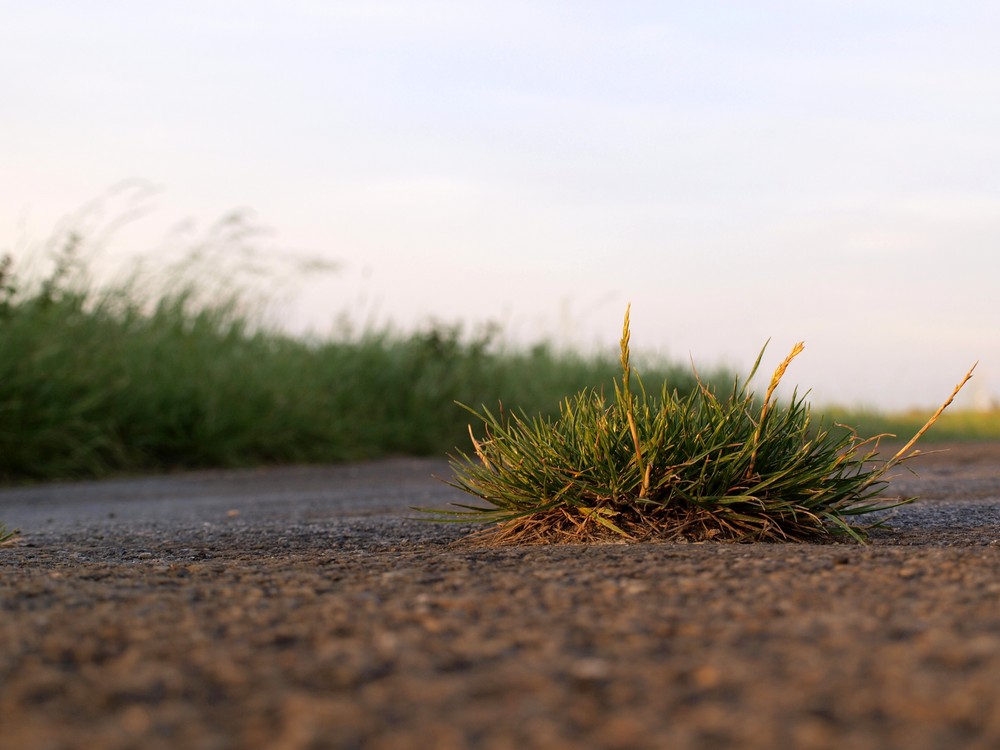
{"points": [[695, 467]]}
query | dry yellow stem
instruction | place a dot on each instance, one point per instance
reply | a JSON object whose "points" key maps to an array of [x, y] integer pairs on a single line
{"points": [[933, 419], [779, 373], [629, 406], [479, 449]]}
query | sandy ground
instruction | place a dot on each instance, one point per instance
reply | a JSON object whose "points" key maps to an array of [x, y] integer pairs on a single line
{"points": [[304, 608]]}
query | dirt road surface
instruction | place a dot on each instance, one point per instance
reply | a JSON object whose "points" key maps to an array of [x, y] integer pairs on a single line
{"points": [[304, 608]]}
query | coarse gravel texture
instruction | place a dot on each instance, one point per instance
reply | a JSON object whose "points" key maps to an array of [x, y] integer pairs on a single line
{"points": [[305, 607]]}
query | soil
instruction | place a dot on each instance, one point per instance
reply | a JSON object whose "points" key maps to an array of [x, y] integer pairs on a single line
{"points": [[306, 608]]}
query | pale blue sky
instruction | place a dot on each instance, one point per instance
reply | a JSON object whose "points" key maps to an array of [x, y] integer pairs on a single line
{"points": [[826, 171]]}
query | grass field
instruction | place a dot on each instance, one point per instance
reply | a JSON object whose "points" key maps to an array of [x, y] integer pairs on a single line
{"points": [[101, 380], [141, 376]]}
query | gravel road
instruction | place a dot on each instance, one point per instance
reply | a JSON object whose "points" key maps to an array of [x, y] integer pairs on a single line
{"points": [[304, 607]]}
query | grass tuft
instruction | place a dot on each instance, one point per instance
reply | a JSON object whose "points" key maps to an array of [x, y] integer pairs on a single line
{"points": [[694, 466]]}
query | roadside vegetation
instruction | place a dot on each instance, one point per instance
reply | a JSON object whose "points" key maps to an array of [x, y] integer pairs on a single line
{"points": [[159, 374], [638, 464], [98, 380]]}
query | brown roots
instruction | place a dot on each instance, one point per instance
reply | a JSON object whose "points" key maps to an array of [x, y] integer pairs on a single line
{"points": [[567, 525]]}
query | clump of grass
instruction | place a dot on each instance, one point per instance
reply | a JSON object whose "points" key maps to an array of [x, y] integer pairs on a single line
{"points": [[695, 466]]}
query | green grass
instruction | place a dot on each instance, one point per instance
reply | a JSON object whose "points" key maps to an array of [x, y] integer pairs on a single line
{"points": [[633, 466], [106, 380]]}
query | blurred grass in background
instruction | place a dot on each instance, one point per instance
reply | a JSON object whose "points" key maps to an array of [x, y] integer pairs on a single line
{"points": [[954, 425], [133, 377], [175, 367]]}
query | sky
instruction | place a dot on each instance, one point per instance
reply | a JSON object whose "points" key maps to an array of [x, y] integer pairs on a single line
{"points": [[737, 171]]}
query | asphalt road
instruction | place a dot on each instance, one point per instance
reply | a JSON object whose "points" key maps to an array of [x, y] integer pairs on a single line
{"points": [[958, 489], [307, 607]]}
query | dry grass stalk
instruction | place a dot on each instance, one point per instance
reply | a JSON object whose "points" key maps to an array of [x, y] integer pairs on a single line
{"points": [[630, 404], [901, 454], [779, 373]]}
